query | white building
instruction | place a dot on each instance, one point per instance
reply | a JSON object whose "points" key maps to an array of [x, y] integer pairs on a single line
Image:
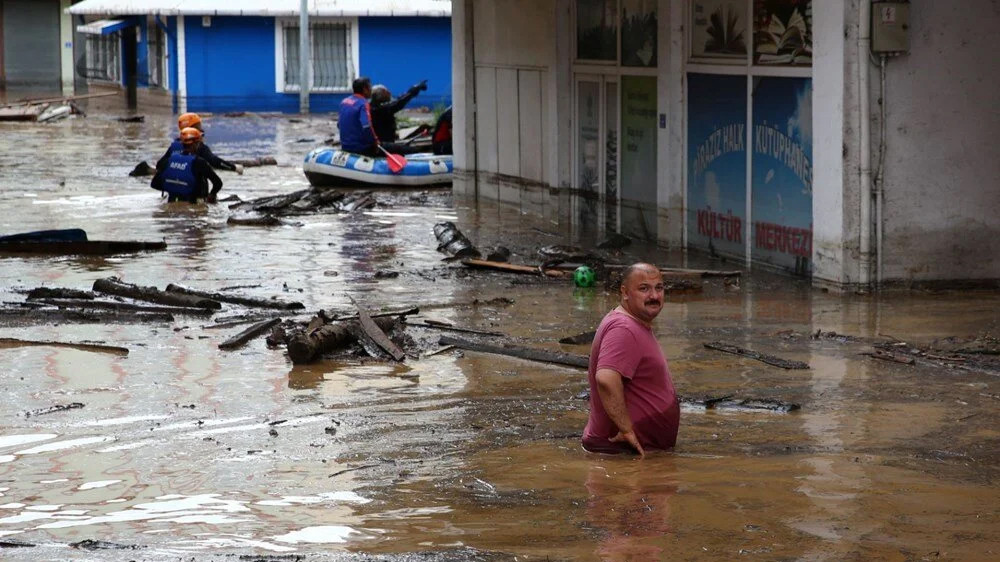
{"points": [[747, 128]]}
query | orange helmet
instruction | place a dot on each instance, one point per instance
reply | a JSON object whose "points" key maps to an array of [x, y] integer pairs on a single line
{"points": [[189, 120], [190, 135]]}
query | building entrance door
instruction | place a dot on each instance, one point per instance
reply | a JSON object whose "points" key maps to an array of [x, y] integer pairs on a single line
{"points": [[596, 153]]}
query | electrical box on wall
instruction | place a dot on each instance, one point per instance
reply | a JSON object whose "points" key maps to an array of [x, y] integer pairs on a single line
{"points": [[890, 27]]}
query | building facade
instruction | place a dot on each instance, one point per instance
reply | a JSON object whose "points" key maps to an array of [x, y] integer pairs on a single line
{"points": [[844, 140], [208, 56], [36, 46]]}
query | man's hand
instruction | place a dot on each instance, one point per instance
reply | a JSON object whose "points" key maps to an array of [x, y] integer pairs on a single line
{"points": [[630, 438], [422, 86], [239, 169]]}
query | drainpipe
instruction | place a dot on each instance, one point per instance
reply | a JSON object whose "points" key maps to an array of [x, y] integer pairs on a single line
{"points": [[304, 64], [182, 89], [864, 111], [880, 176]]}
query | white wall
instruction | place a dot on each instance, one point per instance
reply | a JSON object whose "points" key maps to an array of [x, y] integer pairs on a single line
{"points": [[942, 172]]}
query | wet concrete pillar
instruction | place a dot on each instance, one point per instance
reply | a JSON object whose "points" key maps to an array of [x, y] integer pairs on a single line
{"points": [[130, 55]]}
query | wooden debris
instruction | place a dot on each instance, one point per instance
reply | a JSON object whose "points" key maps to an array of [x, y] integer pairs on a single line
{"points": [[431, 324], [890, 356], [305, 346], [54, 409], [96, 348], [742, 404], [513, 268], [403, 312], [439, 350], [579, 339], [42, 101], [115, 286], [126, 307], [531, 354], [684, 272], [86, 248], [255, 162], [254, 220], [452, 242], [372, 331], [235, 299], [762, 357], [59, 293], [241, 339], [53, 316]]}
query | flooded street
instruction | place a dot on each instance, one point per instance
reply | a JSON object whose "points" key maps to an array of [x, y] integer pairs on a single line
{"points": [[183, 451]]}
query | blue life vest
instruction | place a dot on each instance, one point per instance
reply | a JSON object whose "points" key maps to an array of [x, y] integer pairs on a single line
{"points": [[355, 124], [176, 147], [178, 177]]}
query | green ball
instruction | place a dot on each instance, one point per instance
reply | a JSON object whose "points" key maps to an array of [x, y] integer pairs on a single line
{"points": [[584, 276]]}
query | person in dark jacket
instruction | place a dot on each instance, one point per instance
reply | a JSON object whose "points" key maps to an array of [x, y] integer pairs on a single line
{"points": [[193, 120], [354, 121], [184, 175], [441, 137], [384, 108]]}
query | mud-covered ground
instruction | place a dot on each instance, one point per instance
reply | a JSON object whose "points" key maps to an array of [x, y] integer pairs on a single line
{"points": [[186, 452]]}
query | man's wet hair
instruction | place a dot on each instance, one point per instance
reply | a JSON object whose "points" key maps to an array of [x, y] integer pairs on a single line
{"points": [[380, 94], [361, 84]]}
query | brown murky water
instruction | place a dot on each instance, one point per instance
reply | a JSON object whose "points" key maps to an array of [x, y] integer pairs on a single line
{"points": [[458, 456]]}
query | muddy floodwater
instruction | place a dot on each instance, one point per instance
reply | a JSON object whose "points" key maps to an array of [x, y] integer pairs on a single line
{"points": [[182, 451]]}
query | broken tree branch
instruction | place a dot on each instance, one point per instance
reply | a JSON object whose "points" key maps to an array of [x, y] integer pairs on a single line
{"points": [[762, 357], [115, 286], [531, 354], [235, 299], [241, 339]]}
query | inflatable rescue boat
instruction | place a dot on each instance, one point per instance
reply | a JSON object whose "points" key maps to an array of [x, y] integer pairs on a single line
{"points": [[332, 167]]}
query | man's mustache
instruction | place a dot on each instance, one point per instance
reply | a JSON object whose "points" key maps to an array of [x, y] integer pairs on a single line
{"points": [[653, 301]]}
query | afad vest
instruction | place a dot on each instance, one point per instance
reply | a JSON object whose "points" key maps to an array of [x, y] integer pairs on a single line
{"points": [[176, 147], [178, 177]]}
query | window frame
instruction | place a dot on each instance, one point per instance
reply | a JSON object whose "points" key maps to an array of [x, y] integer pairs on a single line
{"points": [[353, 70]]}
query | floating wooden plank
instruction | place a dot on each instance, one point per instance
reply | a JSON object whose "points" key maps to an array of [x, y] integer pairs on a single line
{"points": [[448, 328], [890, 356], [115, 286], [394, 313], [681, 271], [59, 293], [54, 409], [80, 248], [240, 339], [235, 299], [10, 317], [531, 354], [513, 268], [376, 334], [126, 307], [93, 347], [762, 357]]}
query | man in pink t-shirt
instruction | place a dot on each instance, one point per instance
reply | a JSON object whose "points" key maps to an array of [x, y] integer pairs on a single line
{"points": [[633, 406]]}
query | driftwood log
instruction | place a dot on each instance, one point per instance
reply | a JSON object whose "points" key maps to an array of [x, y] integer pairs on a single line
{"points": [[371, 331], [235, 299], [531, 354], [58, 293], [305, 346], [241, 339], [115, 286]]}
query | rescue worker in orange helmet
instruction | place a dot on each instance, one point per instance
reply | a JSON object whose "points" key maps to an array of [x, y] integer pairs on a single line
{"points": [[193, 120], [185, 175]]}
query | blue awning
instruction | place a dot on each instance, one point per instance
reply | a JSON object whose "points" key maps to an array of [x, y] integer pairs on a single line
{"points": [[104, 27]]}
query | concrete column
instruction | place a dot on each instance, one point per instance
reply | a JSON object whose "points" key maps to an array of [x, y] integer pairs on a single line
{"points": [[670, 157], [836, 145], [66, 48], [463, 93]]}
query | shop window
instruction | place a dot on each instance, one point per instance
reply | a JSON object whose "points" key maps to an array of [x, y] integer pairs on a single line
{"points": [[597, 30], [104, 58], [758, 32], [334, 55], [638, 33]]}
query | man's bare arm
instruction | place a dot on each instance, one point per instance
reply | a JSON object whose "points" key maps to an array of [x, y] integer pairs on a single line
{"points": [[611, 389]]}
